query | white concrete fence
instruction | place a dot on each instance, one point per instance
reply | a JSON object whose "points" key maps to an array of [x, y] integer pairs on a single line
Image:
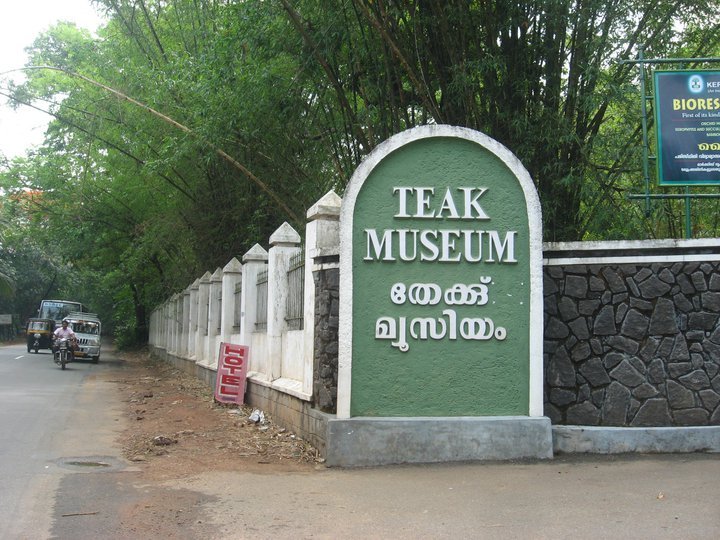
{"points": [[229, 306]]}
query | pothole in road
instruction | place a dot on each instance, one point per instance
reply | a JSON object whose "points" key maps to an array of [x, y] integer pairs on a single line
{"points": [[91, 463]]}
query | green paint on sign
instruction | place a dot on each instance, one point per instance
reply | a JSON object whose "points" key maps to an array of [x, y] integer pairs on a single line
{"points": [[441, 284]]}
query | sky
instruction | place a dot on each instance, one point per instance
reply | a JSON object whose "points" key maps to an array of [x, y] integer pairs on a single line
{"points": [[20, 23]]}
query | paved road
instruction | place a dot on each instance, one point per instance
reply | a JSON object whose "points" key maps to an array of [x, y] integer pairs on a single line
{"points": [[49, 417]]}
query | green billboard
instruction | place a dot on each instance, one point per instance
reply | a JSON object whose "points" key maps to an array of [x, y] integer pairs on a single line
{"points": [[687, 120]]}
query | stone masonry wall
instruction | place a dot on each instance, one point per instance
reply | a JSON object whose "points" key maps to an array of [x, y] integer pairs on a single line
{"points": [[632, 345], [327, 308]]}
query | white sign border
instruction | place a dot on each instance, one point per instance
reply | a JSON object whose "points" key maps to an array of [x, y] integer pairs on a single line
{"points": [[347, 212]]}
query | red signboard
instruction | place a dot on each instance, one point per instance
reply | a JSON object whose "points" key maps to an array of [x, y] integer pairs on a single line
{"points": [[231, 373]]}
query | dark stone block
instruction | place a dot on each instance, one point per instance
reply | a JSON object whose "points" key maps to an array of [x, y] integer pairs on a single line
{"points": [[653, 288], [549, 285], [576, 286], [612, 359], [635, 325], [695, 335], [647, 352], [556, 329], [555, 272], [686, 285], [596, 346], [656, 373], [667, 276], [550, 306], [680, 350], [714, 282], [581, 351], [642, 305], [596, 284], [697, 360], [620, 312], [715, 336], [654, 412], [679, 397], [622, 343], [568, 309], [677, 370], [710, 399], [619, 299], [560, 371], [580, 328], [638, 364], [583, 414], [691, 417], [594, 371], [628, 269], [616, 405], [711, 368], [614, 281], [325, 399], [553, 413], [682, 303], [626, 374], [702, 321], [588, 307], [642, 275], [605, 322], [584, 393], [645, 391], [632, 286], [711, 301], [696, 380], [666, 347], [698, 281], [663, 320], [562, 397]]}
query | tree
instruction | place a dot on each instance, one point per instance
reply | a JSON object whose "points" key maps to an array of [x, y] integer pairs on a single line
{"points": [[190, 129]]}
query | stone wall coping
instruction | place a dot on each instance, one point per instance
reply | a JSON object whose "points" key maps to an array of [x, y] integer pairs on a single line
{"points": [[630, 252]]}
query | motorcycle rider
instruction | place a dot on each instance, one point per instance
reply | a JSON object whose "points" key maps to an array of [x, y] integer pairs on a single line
{"points": [[64, 331]]}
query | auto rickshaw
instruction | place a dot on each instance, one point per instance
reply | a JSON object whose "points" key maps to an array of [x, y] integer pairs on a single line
{"points": [[39, 334]]}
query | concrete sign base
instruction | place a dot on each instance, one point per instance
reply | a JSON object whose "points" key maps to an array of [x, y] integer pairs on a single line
{"points": [[367, 442]]}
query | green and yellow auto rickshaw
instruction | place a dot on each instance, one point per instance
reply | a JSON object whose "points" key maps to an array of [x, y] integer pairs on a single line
{"points": [[39, 334]]}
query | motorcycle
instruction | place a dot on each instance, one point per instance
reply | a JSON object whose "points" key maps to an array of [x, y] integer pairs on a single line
{"points": [[63, 352]]}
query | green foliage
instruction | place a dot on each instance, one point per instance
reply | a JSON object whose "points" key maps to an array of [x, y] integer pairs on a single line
{"points": [[189, 130]]}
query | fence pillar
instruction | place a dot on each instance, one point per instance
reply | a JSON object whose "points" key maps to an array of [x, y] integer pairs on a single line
{"points": [[232, 275], [203, 305], [284, 243], [214, 315], [174, 338], [185, 324], [193, 327], [254, 261], [322, 249]]}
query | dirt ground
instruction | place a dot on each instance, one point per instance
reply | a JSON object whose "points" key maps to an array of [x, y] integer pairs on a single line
{"points": [[172, 414]]}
